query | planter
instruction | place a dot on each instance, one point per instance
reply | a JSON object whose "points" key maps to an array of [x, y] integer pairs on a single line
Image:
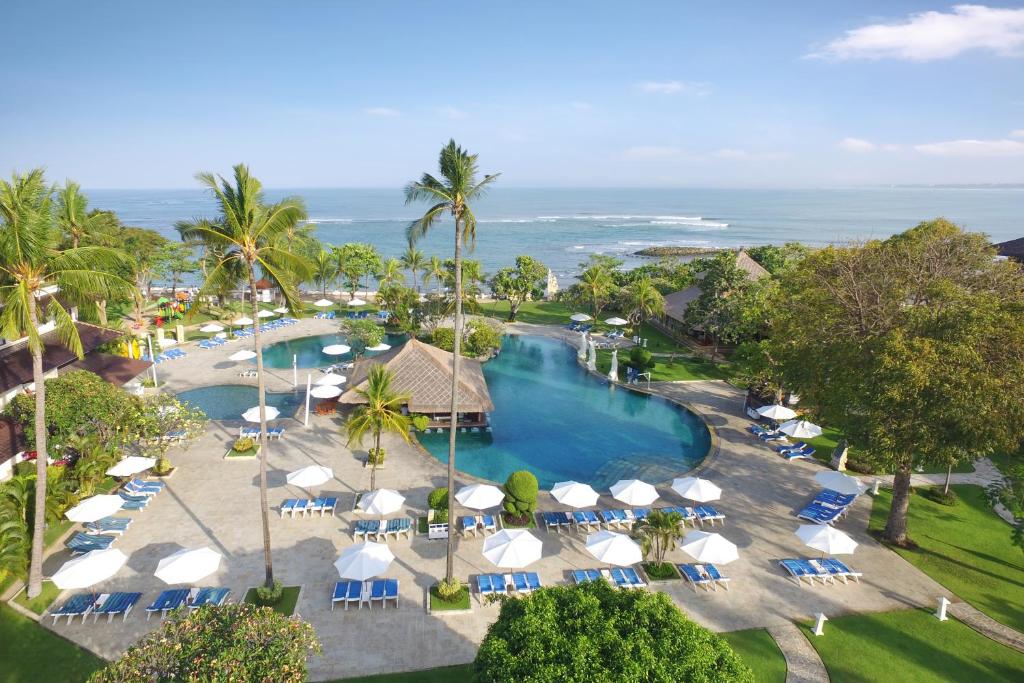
{"points": [[166, 475], [251, 454], [660, 579], [437, 607]]}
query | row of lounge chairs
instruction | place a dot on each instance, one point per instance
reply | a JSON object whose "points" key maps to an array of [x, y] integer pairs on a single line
{"points": [[706, 576], [778, 440], [826, 570], [254, 432], [485, 524], [108, 525], [590, 520], [295, 507], [579, 327], [622, 577], [499, 584], [121, 604], [212, 343], [169, 354], [369, 592], [381, 529], [827, 507], [325, 315]]}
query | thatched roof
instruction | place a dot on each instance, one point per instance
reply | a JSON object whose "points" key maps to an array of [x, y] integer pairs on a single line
{"points": [[677, 302], [425, 373], [1012, 249]]}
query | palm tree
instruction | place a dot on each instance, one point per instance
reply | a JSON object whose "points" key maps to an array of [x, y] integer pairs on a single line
{"points": [[325, 270], [248, 237], [381, 413], [391, 273], [451, 195], [414, 261], [657, 533], [643, 300], [76, 223], [597, 285], [31, 263], [435, 271]]}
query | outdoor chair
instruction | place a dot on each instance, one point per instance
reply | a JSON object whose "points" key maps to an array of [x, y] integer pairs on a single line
{"points": [[609, 519], [713, 572], [821, 514], [586, 519], [209, 596], [707, 513], [167, 601], [633, 578], [839, 569], [82, 543], [347, 592], [484, 585], [468, 525], [799, 445], [585, 575], [376, 592], [365, 528], [115, 604], [330, 505], [803, 454], [696, 577], [288, 506], [76, 606], [390, 592], [108, 525], [834, 498]]}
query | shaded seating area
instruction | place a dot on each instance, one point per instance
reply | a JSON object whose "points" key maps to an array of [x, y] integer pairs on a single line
{"points": [[115, 604], [254, 432], [471, 524], [705, 576], [368, 592], [707, 513], [620, 577], [586, 520], [167, 601], [79, 605], [516, 582], [826, 570], [82, 543], [295, 507], [209, 596], [555, 520], [382, 529], [687, 513], [108, 525]]}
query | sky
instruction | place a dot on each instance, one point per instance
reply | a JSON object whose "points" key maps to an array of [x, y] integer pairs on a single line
{"points": [[320, 93]]}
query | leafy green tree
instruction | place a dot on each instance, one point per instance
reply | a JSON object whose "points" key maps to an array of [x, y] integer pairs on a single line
{"points": [[246, 238], [451, 194], [77, 224], [357, 261], [325, 270], [910, 347], [414, 261], [642, 300], [434, 271], [776, 259], [31, 262], [381, 413], [361, 333], [594, 633], [657, 533], [722, 308], [525, 281], [172, 261], [402, 305], [239, 642], [521, 490], [391, 273], [596, 287]]}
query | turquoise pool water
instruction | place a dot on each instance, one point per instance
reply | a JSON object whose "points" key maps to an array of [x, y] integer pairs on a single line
{"points": [[310, 351], [229, 401], [554, 419]]}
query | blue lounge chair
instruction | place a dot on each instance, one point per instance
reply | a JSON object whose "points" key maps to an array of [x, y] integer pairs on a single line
{"points": [[167, 601], [821, 514], [76, 606], [390, 592], [490, 523], [300, 507], [555, 520], [376, 592], [633, 578], [142, 483], [713, 572], [468, 523], [800, 570], [132, 498], [586, 519], [707, 513], [315, 505], [585, 575], [82, 543], [366, 527], [533, 580], [115, 604], [135, 505], [346, 592], [619, 578], [799, 445], [834, 498], [610, 519], [485, 587], [696, 577], [288, 506], [330, 505], [839, 569], [210, 596], [520, 583], [803, 454], [108, 525], [136, 491]]}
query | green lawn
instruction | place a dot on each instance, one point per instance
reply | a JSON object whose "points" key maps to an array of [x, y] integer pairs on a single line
{"points": [[446, 674], [39, 603], [682, 369], [911, 645], [289, 598], [438, 604], [536, 312], [758, 650], [967, 549], [31, 653]]}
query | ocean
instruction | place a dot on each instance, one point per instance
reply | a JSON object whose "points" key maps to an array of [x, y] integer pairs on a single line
{"points": [[562, 227]]}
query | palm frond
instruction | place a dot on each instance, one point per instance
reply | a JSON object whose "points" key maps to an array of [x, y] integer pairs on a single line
{"points": [[421, 226]]}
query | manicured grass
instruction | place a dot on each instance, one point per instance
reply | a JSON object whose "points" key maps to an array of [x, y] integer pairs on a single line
{"points": [[286, 606], [911, 645], [55, 531], [438, 604], [658, 341], [660, 572], [681, 369], [41, 602], [966, 548], [446, 674], [758, 650], [32, 653], [536, 312], [251, 453]]}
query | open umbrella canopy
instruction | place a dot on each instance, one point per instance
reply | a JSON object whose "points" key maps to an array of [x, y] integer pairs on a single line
{"points": [[480, 496], [312, 475], [243, 354], [253, 414], [89, 569], [381, 502], [325, 391], [331, 379], [266, 314], [709, 547], [323, 303], [364, 561], [800, 429], [776, 412], [336, 349], [634, 492], [617, 322], [357, 302], [133, 464], [188, 565], [826, 539], [840, 483], [697, 489], [579, 317], [614, 548], [574, 494], [95, 507], [512, 548], [211, 327], [281, 309], [379, 347], [241, 321]]}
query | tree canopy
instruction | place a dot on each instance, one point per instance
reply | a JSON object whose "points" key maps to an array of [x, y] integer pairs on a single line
{"points": [[526, 280]]}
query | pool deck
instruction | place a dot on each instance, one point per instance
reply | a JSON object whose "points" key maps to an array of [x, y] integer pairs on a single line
{"points": [[212, 501]]}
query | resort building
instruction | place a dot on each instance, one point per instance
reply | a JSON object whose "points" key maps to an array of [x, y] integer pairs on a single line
{"points": [[425, 373]]}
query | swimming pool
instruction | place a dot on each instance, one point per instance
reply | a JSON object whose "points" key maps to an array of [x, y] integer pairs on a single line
{"points": [[229, 401], [309, 351], [553, 418]]}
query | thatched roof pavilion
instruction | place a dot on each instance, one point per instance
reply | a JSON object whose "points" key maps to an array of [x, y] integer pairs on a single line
{"points": [[425, 373]]}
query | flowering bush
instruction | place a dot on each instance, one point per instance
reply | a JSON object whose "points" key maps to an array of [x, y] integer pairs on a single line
{"points": [[243, 444]]}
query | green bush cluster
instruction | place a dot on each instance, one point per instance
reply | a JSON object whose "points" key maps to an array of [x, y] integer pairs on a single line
{"points": [[480, 338], [375, 456], [521, 490], [269, 596], [438, 499]]}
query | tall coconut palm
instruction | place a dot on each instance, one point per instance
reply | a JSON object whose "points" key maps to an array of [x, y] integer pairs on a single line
{"points": [[414, 261], [31, 263], [391, 273], [325, 270], [80, 226], [451, 194], [597, 286], [381, 413], [248, 238], [434, 271], [642, 300]]}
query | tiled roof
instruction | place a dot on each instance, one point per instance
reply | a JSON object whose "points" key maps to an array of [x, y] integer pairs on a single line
{"points": [[117, 370], [16, 360], [677, 302]]}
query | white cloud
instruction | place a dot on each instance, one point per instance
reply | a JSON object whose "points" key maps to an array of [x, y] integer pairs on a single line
{"points": [[386, 112], [926, 36], [695, 88], [652, 152], [452, 113], [857, 145], [1019, 133], [973, 148]]}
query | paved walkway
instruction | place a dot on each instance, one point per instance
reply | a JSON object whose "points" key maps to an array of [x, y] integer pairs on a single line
{"points": [[986, 625], [803, 665]]}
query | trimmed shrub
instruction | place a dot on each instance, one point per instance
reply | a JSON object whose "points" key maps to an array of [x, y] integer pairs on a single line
{"points": [[269, 596], [420, 422], [640, 359], [440, 517], [438, 499], [162, 466], [521, 494], [243, 444], [449, 591]]}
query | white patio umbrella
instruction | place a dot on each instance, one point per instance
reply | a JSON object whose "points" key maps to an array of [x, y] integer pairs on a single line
{"points": [[776, 412], [253, 414], [241, 321], [480, 496], [840, 483], [133, 464], [211, 327], [614, 548], [188, 565], [357, 302], [634, 492], [381, 502], [243, 354], [325, 391], [336, 349], [364, 561], [574, 494], [800, 429], [709, 547], [826, 539], [89, 569], [579, 317], [281, 309], [696, 489], [617, 322], [379, 347], [331, 379], [95, 507], [311, 475], [512, 548], [266, 314], [591, 356], [613, 371], [323, 303]]}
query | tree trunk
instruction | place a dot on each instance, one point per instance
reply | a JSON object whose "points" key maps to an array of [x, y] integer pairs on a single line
{"points": [[513, 309], [949, 475], [35, 572], [896, 525], [373, 462], [261, 389], [101, 311], [456, 364]]}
